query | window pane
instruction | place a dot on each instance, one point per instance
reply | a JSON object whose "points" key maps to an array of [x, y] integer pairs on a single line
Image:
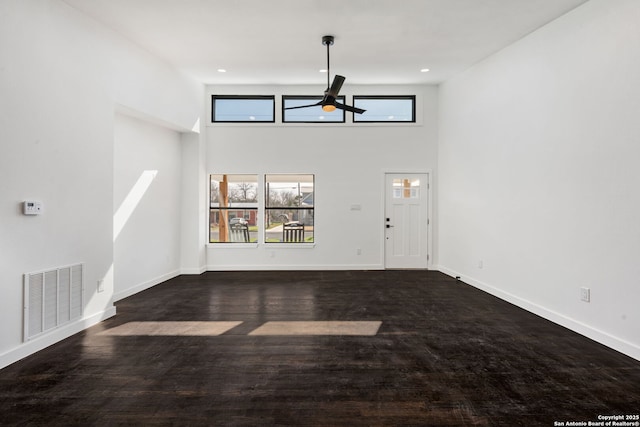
{"points": [[231, 108], [288, 226], [385, 108], [233, 211], [238, 189], [406, 188], [233, 225], [310, 114], [289, 208], [289, 190]]}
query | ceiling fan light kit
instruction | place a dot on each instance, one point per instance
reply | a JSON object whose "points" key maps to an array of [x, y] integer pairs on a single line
{"points": [[328, 102]]}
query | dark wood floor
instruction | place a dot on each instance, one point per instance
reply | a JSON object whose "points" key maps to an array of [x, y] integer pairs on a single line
{"points": [[446, 354]]}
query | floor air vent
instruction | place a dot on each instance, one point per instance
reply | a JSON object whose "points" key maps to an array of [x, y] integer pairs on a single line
{"points": [[51, 299]]}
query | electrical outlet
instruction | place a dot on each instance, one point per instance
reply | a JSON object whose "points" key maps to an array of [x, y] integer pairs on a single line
{"points": [[101, 285], [585, 294], [480, 263], [358, 251]]}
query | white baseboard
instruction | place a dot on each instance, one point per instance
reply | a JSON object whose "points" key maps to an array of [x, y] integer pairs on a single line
{"points": [[146, 285], [588, 331], [53, 337], [297, 267], [193, 271]]}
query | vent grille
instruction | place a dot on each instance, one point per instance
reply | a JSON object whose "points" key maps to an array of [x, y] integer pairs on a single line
{"points": [[52, 299]]}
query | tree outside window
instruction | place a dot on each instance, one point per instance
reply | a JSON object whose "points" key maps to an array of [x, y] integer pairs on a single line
{"points": [[233, 212]]}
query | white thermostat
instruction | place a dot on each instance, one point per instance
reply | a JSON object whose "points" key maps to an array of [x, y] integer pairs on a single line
{"points": [[31, 207]]}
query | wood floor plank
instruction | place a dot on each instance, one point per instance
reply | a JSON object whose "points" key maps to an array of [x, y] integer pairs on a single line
{"points": [[445, 354]]}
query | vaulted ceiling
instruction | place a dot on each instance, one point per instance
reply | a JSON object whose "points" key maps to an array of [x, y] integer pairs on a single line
{"points": [[279, 41]]}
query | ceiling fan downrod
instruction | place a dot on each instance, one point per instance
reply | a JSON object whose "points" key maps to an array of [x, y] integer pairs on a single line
{"points": [[328, 41]]}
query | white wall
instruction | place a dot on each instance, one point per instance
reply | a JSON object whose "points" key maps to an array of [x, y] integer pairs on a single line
{"points": [[194, 214], [61, 77], [348, 161], [538, 158], [147, 205]]}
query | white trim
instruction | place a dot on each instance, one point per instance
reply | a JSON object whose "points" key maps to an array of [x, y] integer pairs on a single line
{"points": [[145, 285], [275, 245], [226, 245], [44, 341], [429, 173], [597, 335], [193, 271], [295, 267], [270, 245]]}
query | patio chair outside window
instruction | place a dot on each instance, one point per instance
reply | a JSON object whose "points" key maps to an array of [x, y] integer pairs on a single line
{"points": [[293, 232], [239, 233]]}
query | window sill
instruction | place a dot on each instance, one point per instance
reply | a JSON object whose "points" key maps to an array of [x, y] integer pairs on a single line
{"points": [[275, 245], [255, 245], [231, 245]]}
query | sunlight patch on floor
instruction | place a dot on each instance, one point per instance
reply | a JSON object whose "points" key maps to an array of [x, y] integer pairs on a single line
{"points": [[369, 328], [171, 328]]}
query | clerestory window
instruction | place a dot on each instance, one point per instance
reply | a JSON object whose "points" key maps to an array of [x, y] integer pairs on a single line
{"points": [[242, 109], [385, 109], [313, 114]]}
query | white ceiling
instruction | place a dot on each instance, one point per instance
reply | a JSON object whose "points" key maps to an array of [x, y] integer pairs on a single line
{"points": [[279, 41]]}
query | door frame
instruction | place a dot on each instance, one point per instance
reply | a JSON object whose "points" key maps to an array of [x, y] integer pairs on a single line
{"points": [[383, 209]]}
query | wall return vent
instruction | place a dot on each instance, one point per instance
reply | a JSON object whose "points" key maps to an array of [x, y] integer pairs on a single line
{"points": [[52, 299]]}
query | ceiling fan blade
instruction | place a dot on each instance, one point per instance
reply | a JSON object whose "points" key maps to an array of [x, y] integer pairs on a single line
{"points": [[349, 108], [305, 106], [335, 86]]}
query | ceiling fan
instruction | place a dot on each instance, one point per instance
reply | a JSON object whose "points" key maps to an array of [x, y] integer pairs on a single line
{"points": [[329, 102]]}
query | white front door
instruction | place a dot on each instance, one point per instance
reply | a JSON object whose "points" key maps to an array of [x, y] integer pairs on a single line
{"points": [[406, 220]]}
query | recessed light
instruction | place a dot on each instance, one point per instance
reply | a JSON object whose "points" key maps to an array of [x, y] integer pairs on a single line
{"points": [[222, 70], [424, 70]]}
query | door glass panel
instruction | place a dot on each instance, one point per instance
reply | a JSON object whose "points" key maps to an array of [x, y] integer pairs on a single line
{"points": [[404, 188]]}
